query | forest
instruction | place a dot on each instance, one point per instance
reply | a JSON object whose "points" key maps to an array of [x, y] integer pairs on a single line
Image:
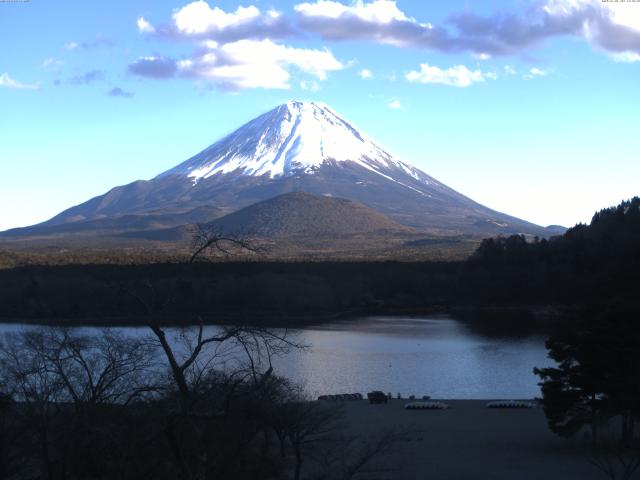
{"points": [[589, 263]]}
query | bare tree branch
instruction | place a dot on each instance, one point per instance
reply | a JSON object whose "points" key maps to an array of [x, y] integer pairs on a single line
{"points": [[205, 238]]}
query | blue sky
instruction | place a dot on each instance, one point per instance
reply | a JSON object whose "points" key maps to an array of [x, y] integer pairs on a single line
{"points": [[530, 108]]}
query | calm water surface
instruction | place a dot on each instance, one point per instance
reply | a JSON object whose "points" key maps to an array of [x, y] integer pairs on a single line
{"points": [[440, 357]]}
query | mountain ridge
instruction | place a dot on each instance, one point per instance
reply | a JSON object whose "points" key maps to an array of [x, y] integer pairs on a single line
{"points": [[298, 146]]}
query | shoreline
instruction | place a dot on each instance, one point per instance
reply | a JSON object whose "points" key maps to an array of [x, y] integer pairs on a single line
{"points": [[541, 313]]}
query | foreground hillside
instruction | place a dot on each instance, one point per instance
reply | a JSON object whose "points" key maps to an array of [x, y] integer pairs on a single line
{"points": [[292, 226], [302, 214]]}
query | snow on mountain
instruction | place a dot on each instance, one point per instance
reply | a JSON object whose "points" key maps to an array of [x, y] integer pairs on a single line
{"points": [[296, 147], [293, 138]]}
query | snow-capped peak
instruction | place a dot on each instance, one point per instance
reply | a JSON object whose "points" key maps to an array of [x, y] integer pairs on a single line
{"points": [[292, 138]]}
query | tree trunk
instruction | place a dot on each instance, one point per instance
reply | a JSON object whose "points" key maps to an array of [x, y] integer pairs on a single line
{"points": [[178, 374], [46, 457], [267, 441], [298, 462], [627, 429], [594, 421], [175, 448], [3, 468]]}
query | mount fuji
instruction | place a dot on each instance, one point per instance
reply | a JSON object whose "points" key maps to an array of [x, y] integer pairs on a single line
{"points": [[296, 147]]}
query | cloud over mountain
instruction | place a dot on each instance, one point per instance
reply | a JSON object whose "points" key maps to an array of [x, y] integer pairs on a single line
{"points": [[243, 48], [197, 20], [608, 26], [457, 76], [234, 50]]}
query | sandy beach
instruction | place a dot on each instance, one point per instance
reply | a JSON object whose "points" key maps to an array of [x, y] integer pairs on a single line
{"points": [[470, 441]]}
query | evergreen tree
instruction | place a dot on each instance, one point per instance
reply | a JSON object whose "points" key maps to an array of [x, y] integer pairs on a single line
{"points": [[597, 376]]}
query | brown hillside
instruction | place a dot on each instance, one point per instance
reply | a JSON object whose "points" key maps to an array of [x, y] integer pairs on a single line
{"points": [[303, 214]]}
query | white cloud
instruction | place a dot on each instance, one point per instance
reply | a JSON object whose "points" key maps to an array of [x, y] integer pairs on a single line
{"points": [[144, 26], [457, 76], [380, 21], [8, 82], [365, 73], [482, 56], [199, 17], [395, 104], [619, 12], [535, 72], [100, 41], [311, 86], [378, 11], [198, 20], [235, 50], [626, 57], [51, 63], [258, 64], [509, 70], [610, 26]]}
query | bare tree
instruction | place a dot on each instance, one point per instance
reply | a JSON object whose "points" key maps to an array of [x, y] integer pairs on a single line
{"points": [[66, 384], [352, 457], [36, 388], [306, 423], [206, 239], [321, 448], [243, 353], [104, 368], [243, 348], [9, 432], [615, 459]]}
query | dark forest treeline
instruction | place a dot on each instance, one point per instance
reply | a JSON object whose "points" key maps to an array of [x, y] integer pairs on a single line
{"points": [[596, 262], [228, 291]]}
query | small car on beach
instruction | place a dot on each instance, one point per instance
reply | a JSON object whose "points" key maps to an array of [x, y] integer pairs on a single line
{"points": [[377, 396]]}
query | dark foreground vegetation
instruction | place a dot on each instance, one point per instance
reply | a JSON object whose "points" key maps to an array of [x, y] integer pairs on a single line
{"points": [[107, 407], [74, 406]]}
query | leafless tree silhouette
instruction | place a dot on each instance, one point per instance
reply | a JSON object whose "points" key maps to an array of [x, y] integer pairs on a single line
{"points": [[205, 239]]}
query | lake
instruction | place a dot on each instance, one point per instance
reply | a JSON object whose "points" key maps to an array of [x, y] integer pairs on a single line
{"points": [[437, 356]]}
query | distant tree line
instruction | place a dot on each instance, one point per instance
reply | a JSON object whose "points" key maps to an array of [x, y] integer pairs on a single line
{"points": [[230, 292], [599, 261]]}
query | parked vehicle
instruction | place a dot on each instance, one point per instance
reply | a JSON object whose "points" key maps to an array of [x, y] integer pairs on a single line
{"points": [[377, 397]]}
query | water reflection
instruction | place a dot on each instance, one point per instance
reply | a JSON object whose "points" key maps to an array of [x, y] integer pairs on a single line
{"points": [[440, 357], [436, 356]]}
